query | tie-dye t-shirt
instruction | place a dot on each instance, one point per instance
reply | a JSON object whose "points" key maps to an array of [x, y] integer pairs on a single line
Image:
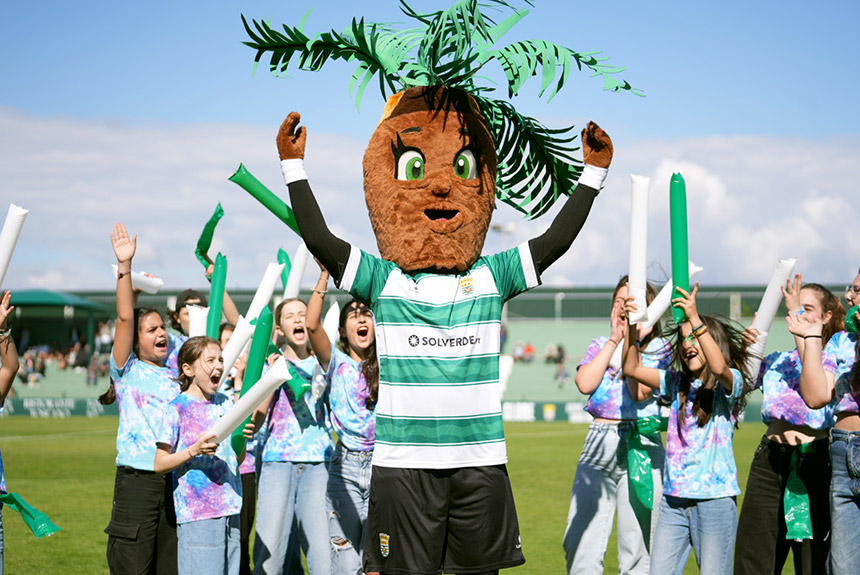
{"points": [[838, 359], [354, 423], [298, 429], [612, 399], [206, 486], [143, 391], [700, 463], [779, 380], [174, 344]]}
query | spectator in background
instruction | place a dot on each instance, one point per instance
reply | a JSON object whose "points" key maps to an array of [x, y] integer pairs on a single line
{"points": [[528, 352]]}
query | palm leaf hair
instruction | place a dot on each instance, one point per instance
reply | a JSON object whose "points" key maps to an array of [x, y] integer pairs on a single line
{"points": [[449, 48]]}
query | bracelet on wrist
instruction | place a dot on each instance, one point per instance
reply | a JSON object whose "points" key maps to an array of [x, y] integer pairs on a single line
{"points": [[815, 336], [614, 341], [119, 275], [5, 333], [322, 292]]}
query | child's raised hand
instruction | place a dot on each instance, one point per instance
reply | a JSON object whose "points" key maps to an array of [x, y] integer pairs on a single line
{"points": [[272, 359], [123, 246], [619, 321], [248, 431], [203, 445], [687, 302], [324, 275], [6, 307], [791, 292], [750, 336], [802, 327]]}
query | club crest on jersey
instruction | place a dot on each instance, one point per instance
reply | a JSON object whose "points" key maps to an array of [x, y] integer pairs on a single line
{"points": [[466, 285], [383, 544]]}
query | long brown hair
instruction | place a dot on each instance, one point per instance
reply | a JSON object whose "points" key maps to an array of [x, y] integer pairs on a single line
{"points": [[370, 366], [729, 339], [829, 303], [190, 352]]}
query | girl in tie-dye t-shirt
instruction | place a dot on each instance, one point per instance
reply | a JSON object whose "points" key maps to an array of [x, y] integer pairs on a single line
{"points": [[291, 487], [601, 484], [796, 442], [207, 490], [832, 376], [706, 389], [353, 374]]}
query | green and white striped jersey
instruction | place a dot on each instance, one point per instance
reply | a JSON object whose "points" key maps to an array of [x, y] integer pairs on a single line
{"points": [[437, 337]]}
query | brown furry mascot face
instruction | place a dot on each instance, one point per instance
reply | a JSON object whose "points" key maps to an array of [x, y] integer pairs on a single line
{"points": [[429, 180]]}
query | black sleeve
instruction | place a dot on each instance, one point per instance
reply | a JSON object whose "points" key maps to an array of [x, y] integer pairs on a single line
{"points": [[553, 243], [329, 249]]}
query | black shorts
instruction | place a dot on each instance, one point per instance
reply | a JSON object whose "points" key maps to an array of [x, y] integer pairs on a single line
{"points": [[420, 520]]}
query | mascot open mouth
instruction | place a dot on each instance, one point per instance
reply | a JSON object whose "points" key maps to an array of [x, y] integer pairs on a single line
{"points": [[441, 215]]}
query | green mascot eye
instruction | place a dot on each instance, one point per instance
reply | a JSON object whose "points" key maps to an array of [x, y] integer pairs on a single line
{"points": [[465, 165], [410, 166]]}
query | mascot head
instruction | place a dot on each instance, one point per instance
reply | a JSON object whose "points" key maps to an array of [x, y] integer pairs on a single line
{"points": [[430, 180]]}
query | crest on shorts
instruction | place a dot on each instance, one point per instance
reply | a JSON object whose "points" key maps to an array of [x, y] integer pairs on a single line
{"points": [[466, 285], [383, 544]]}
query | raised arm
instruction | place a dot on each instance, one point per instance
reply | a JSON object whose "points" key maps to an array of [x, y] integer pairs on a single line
{"points": [[716, 362], [8, 353], [817, 385], [313, 321], [640, 378], [589, 375], [124, 248], [332, 251], [597, 153]]}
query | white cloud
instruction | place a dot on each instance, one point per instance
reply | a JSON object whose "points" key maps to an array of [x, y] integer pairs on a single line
{"points": [[751, 200]]}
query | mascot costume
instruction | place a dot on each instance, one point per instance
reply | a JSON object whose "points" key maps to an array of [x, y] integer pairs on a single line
{"points": [[440, 157]]}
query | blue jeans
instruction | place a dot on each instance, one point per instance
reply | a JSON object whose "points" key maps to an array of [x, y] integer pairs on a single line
{"points": [[209, 546], [292, 497], [708, 525], [845, 501], [599, 489], [347, 498]]}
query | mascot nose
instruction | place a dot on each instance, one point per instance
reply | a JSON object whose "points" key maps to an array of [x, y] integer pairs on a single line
{"points": [[441, 187]]}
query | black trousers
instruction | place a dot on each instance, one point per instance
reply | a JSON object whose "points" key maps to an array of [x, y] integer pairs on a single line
{"points": [[761, 546], [142, 528], [246, 520]]}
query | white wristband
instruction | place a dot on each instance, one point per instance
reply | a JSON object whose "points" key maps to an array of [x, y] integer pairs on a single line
{"points": [[293, 170], [593, 177]]}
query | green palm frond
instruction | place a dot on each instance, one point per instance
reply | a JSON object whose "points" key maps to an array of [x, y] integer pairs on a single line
{"points": [[521, 60], [450, 48], [535, 163], [377, 49]]}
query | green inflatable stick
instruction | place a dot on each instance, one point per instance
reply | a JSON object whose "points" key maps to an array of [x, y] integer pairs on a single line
{"points": [[795, 500], [639, 471], [216, 297], [284, 258], [205, 240], [851, 323], [680, 249], [266, 197], [254, 369], [39, 523]]}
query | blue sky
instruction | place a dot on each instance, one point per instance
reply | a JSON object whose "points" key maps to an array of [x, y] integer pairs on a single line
{"points": [[139, 111]]}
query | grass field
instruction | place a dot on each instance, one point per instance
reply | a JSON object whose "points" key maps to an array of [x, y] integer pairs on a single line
{"points": [[65, 467]]}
